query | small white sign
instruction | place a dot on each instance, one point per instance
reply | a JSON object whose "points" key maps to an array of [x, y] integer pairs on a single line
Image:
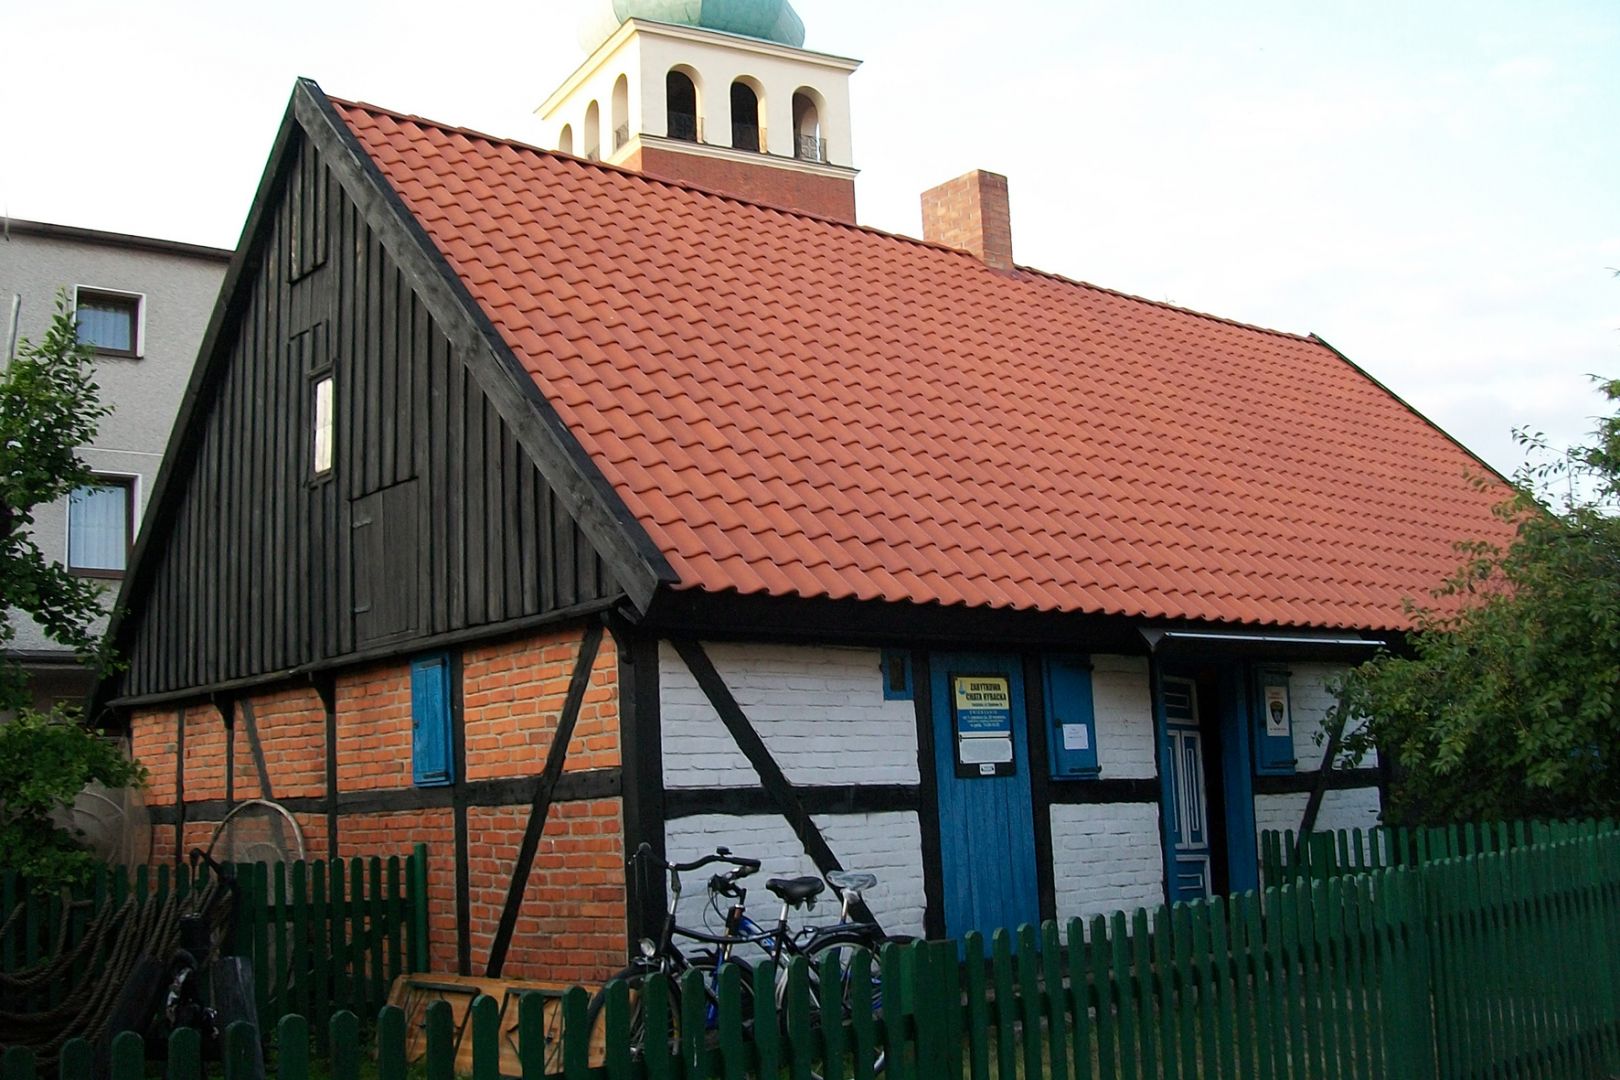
{"points": [[1276, 710], [1076, 737], [987, 769], [984, 750]]}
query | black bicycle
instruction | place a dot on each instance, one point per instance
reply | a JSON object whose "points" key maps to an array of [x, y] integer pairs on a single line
{"points": [[717, 950]]}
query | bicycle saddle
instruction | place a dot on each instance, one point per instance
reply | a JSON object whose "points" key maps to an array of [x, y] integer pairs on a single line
{"points": [[847, 879], [796, 890]]}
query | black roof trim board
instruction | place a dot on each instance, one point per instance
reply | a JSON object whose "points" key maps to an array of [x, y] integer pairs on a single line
{"points": [[587, 495]]}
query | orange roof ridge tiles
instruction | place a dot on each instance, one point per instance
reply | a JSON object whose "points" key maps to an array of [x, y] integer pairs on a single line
{"points": [[795, 406]]}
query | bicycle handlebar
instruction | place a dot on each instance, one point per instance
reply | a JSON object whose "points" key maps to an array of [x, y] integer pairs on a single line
{"points": [[721, 855]]}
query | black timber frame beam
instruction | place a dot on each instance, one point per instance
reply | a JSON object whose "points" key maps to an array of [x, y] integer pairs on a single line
{"points": [[556, 756], [771, 777]]}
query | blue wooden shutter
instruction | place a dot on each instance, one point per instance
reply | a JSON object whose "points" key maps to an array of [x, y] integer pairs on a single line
{"points": [[1071, 722], [432, 764]]}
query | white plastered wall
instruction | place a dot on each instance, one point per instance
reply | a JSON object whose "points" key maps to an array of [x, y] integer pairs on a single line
{"points": [[1309, 701], [887, 844], [1106, 858], [819, 710], [1122, 702]]}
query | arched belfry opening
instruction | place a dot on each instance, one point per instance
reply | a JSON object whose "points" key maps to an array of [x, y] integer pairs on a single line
{"points": [[621, 112], [747, 133], [722, 95], [809, 141], [681, 104], [593, 131]]}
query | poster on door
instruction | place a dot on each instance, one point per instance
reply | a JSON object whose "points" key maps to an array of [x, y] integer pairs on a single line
{"points": [[981, 708]]}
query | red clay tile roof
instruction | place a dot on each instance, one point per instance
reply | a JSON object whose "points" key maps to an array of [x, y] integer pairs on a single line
{"points": [[798, 407]]}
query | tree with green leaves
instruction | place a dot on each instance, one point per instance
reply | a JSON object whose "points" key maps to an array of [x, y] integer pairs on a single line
{"points": [[1506, 703], [49, 407]]}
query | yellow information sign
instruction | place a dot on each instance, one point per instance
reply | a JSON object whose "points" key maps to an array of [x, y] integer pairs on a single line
{"points": [[983, 705]]}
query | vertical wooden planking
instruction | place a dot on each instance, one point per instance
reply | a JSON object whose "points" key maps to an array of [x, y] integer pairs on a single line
{"points": [[292, 1046], [242, 1058], [1204, 974], [418, 952], [393, 917], [280, 975], [1142, 977], [768, 1024], [532, 1048], [801, 1043], [128, 1057], [321, 942], [1029, 998], [1006, 1013], [357, 936], [1057, 1028], [978, 1005], [1102, 985], [343, 1040], [830, 993], [77, 1061], [1245, 982], [377, 932], [1220, 946], [440, 1058], [1164, 992], [486, 1036], [391, 1064]]}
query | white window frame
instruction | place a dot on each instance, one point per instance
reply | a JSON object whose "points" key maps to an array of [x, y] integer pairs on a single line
{"points": [[321, 465], [140, 319], [131, 482]]}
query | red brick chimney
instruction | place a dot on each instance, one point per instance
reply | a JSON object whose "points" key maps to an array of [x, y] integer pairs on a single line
{"points": [[970, 213]]}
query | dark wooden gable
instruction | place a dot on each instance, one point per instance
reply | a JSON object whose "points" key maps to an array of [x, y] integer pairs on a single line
{"points": [[433, 519]]}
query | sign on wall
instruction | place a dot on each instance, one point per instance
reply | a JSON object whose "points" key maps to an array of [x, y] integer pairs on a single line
{"points": [[981, 710], [1274, 724]]}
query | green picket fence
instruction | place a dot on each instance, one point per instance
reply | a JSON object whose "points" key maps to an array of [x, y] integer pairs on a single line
{"points": [[1335, 853], [323, 935], [1501, 964]]}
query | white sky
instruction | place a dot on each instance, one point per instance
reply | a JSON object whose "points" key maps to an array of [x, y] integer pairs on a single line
{"points": [[1434, 187]]}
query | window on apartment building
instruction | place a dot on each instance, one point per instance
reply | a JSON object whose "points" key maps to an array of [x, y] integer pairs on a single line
{"points": [[101, 527], [110, 322], [324, 427]]}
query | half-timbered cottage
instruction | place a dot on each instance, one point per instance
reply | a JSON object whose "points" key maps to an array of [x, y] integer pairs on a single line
{"points": [[539, 507]]}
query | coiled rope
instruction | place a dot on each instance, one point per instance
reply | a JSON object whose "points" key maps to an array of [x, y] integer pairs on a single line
{"points": [[121, 936]]}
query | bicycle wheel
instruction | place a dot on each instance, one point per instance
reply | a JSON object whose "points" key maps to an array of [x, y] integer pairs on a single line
{"points": [[835, 1004]]}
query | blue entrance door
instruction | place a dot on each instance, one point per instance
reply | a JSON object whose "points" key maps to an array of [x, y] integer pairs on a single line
{"points": [[1186, 805], [981, 760]]}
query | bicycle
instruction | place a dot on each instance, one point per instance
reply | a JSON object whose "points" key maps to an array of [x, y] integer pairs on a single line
{"points": [[662, 956]]}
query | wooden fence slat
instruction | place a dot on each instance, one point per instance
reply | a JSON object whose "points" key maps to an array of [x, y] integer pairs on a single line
{"points": [[1028, 962], [1006, 1014], [978, 1003]]}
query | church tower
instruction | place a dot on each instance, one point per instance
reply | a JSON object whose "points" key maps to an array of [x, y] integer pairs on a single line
{"points": [[718, 93]]}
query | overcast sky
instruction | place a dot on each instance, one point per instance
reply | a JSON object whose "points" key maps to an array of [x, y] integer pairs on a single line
{"points": [[1432, 187]]}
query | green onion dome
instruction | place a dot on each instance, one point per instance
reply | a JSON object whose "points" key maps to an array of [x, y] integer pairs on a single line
{"points": [[769, 20]]}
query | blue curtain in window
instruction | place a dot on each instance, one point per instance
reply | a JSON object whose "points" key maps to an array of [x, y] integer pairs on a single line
{"points": [[98, 528], [106, 326]]}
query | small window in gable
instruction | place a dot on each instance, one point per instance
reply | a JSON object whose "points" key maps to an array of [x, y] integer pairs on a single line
{"points": [[897, 675], [432, 761], [324, 426], [109, 322], [565, 141]]}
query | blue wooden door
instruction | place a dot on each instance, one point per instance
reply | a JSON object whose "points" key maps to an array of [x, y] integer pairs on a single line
{"points": [[1185, 802], [986, 823]]}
